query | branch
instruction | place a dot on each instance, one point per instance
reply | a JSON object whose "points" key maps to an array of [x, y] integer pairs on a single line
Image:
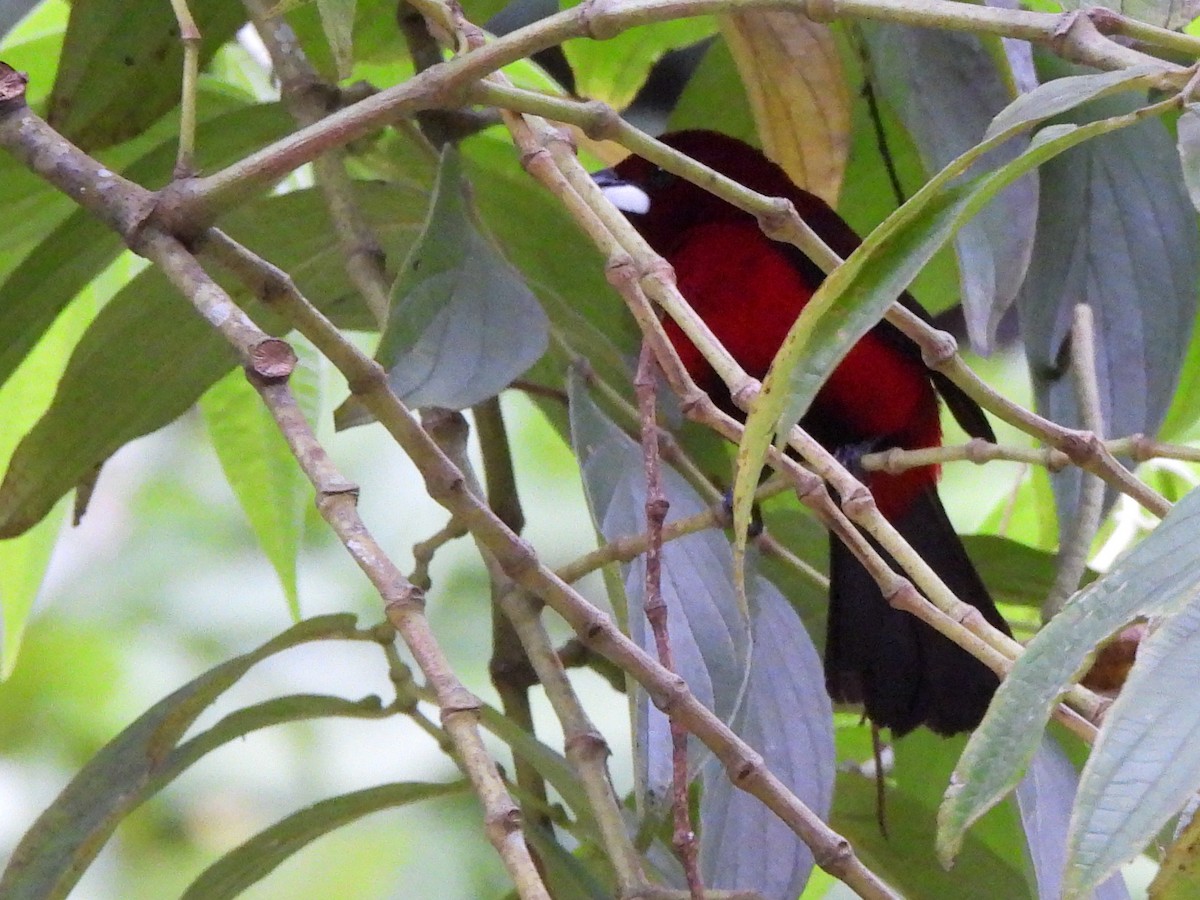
{"points": [[683, 839], [1076, 536], [309, 100], [446, 484], [640, 275], [268, 363], [186, 207]]}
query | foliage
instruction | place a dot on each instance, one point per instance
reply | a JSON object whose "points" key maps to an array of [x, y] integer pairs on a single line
{"points": [[979, 168]]}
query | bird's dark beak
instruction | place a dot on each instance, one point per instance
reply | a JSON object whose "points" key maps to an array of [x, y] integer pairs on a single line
{"points": [[625, 196]]}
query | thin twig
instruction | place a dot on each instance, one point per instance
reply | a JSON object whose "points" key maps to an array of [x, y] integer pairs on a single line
{"points": [[189, 37], [1076, 534], [269, 363], [309, 99], [424, 552], [683, 838]]}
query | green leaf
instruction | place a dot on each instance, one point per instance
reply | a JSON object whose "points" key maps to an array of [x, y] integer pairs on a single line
{"points": [[992, 854], [131, 49], [268, 482], [23, 398], [868, 194], [149, 356], [567, 877], [64, 840], [714, 98], [256, 858], [1157, 578], [854, 297], [462, 323], [614, 70]]}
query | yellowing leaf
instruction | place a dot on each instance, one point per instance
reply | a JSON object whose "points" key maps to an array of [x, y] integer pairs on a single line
{"points": [[793, 78]]}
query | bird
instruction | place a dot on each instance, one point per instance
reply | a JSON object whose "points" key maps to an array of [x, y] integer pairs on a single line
{"points": [[749, 289]]}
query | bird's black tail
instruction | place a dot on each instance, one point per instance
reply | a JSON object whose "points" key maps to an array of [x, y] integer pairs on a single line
{"points": [[902, 671]]}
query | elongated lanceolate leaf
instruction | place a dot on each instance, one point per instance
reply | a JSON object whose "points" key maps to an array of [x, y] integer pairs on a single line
{"points": [[787, 717], [252, 861], [709, 632], [133, 50], [463, 323], [263, 473], [946, 101], [854, 297], [1159, 577], [65, 839]]}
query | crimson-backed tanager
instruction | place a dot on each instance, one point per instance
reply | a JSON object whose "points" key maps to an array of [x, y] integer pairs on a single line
{"points": [[749, 289]]}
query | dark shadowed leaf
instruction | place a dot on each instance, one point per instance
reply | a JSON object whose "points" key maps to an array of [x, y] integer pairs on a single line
{"points": [[787, 717], [262, 854], [1118, 234], [264, 475], [709, 633], [463, 324], [1159, 577], [946, 103], [148, 356], [145, 756], [1045, 797], [132, 48]]}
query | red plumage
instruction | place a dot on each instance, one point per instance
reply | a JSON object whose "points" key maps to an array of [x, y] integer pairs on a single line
{"points": [[749, 289]]}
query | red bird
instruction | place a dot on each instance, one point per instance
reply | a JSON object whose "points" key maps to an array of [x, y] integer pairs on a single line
{"points": [[750, 289]]}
